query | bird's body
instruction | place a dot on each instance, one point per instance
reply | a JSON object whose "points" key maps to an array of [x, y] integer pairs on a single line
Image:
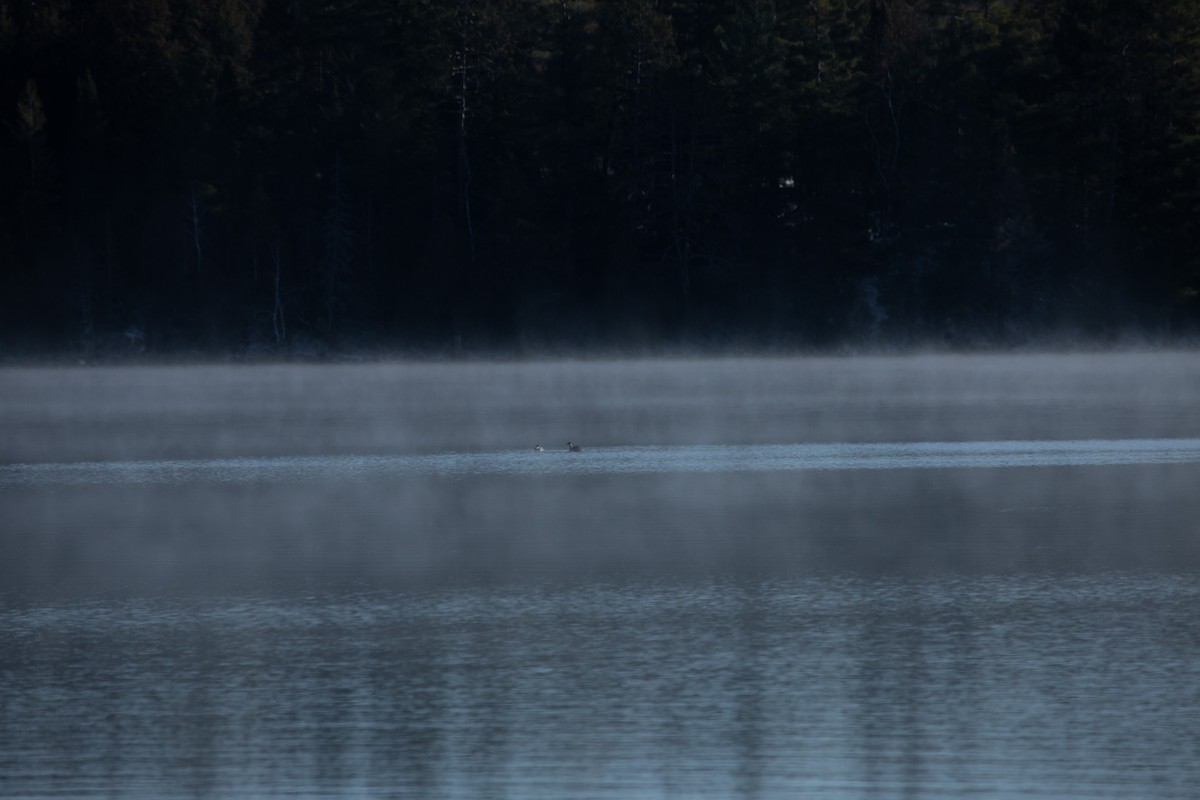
{"points": [[539, 448], [573, 448]]}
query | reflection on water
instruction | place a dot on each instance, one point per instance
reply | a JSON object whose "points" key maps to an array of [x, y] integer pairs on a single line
{"points": [[835, 687], [620, 460], [975, 577]]}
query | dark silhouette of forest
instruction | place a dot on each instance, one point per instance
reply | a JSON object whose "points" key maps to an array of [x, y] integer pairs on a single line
{"points": [[309, 177]]}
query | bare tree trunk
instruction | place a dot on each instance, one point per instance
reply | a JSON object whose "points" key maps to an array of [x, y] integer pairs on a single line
{"points": [[1086, 213], [87, 322], [683, 200], [339, 236], [463, 69], [31, 122], [886, 162], [195, 213], [278, 323]]}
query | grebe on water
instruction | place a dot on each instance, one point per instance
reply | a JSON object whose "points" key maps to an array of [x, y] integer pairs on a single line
{"points": [[539, 448], [573, 448]]}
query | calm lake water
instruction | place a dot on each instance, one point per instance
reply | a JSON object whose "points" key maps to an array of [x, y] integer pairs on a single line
{"points": [[762, 579]]}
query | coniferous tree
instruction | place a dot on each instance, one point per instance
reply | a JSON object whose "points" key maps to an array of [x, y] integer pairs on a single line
{"points": [[494, 172]]}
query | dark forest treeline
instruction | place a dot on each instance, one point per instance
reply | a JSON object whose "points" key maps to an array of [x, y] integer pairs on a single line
{"points": [[281, 175]]}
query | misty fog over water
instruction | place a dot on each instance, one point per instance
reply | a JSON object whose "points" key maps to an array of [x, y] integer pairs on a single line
{"points": [[919, 576], [131, 413]]}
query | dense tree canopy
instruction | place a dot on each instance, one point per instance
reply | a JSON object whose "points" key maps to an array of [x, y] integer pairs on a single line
{"points": [[306, 175]]}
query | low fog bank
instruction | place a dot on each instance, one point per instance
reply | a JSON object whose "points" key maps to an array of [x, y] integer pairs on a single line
{"points": [[421, 532], [120, 413]]}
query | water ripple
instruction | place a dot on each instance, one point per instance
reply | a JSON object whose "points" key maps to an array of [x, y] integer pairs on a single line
{"points": [[614, 460]]}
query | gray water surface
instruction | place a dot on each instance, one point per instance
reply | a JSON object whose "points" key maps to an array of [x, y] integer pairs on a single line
{"points": [[819, 578], [835, 687], [618, 460]]}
